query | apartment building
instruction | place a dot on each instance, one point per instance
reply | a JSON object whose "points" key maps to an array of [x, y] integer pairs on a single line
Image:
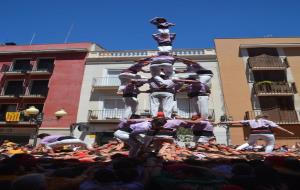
{"points": [[261, 75], [46, 76], [101, 108]]}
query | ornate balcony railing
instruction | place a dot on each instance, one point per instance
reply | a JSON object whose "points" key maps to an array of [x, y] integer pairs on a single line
{"points": [[269, 88], [145, 53], [267, 62], [40, 93], [278, 116], [100, 82]]}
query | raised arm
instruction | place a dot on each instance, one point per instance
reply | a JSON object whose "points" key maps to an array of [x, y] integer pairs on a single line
{"points": [[284, 130]]}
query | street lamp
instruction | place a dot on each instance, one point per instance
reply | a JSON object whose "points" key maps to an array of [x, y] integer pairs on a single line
{"points": [[60, 113], [31, 112]]}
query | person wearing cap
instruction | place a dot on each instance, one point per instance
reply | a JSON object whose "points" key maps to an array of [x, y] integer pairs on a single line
{"points": [[260, 128], [162, 24], [202, 129]]}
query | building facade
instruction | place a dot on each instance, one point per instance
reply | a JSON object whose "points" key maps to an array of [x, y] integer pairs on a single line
{"points": [[261, 75], [102, 108], [48, 77]]}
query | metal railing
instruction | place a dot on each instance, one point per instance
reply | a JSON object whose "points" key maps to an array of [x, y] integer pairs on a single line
{"points": [[105, 82], [36, 93], [272, 88], [188, 115], [278, 116], [16, 93], [267, 62], [145, 53], [105, 114]]}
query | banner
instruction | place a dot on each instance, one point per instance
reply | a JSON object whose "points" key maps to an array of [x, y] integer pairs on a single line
{"points": [[12, 116]]}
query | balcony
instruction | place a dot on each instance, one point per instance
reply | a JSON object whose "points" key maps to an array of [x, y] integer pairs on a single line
{"points": [[10, 95], [106, 83], [278, 116], [40, 71], [267, 62], [116, 114], [269, 88], [10, 71], [36, 94]]}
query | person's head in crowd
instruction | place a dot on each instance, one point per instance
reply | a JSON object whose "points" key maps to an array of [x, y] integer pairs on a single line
{"points": [[160, 114], [124, 163], [127, 175], [158, 123], [29, 182], [195, 117], [104, 176], [242, 169], [135, 116], [43, 135]]}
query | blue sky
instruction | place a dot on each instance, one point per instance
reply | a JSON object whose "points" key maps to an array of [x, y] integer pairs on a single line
{"points": [[123, 24]]}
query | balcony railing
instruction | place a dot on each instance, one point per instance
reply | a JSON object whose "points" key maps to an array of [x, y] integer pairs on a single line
{"points": [[15, 94], [41, 71], [269, 88], [278, 116], [145, 53], [41, 93], [111, 114], [267, 62], [102, 82]]}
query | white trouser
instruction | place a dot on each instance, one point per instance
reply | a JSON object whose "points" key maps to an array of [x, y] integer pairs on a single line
{"points": [[206, 79], [200, 105], [131, 105], [269, 138], [201, 139], [122, 135], [165, 48], [186, 75], [75, 142], [155, 69], [125, 78], [130, 140], [164, 98], [164, 31]]}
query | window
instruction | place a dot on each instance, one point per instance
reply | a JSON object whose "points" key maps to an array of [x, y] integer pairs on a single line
{"points": [[6, 108], [252, 52], [113, 108], [113, 72], [45, 65], [14, 88], [22, 65], [39, 87], [183, 107]]}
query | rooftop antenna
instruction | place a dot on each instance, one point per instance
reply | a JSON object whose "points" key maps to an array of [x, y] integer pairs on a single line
{"points": [[32, 38], [69, 32]]}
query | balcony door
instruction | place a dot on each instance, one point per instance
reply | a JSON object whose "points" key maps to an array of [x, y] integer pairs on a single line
{"points": [[280, 108], [184, 107], [113, 108], [112, 77], [14, 88]]}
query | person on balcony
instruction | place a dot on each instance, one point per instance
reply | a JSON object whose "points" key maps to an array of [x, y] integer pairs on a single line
{"points": [[260, 128]]}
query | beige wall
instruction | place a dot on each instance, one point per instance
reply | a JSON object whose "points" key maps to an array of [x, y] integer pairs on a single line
{"points": [[236, 90]]}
